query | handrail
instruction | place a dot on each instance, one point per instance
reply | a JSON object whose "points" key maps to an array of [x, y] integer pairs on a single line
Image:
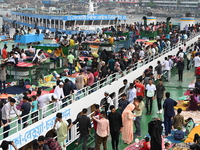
{"points": [[86, 90]]}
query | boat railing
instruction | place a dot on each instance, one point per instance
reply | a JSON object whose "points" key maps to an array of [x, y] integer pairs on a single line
{"points": [[54, 13], [51, 108]]}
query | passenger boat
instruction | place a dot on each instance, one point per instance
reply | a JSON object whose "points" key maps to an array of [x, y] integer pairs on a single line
{"points": [[62, 20]]}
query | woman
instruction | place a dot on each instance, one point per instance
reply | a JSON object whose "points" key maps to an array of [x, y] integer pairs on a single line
{"points": [[193, 106], [127, 120]]}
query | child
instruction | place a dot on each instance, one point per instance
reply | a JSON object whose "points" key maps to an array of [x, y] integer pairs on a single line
{"points": [[146, 145], [167, 146]]}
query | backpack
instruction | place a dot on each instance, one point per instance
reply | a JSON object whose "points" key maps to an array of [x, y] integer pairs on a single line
{"points": [[178, 135], [27, 82], [53, 144]]}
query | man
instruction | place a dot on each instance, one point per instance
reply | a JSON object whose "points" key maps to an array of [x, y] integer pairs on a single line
{"points": [[180, 67], [148, 71], [122, 103], [70, 59], [111, 64], [115, 122], [103, 130], [5, 145], [67, 89], [90, 81], [196, 61], [84, 127], [61, 127], [159, 70], [44, 100], [126, 85], [159, 95], [25, 108], [65, 42], [58, 92], [106, 102], [96, 113], [150, 96], [138, 111], [3, 73], [140, 88], [166, 69], [146, 79], [189, 59], [6, 110], [178, 120], [168, 113], [131, 93], [42, 144]]}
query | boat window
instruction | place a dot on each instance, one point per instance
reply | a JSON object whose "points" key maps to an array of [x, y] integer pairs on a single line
{"points": [[105, 22], [88, 22], [96, 22], [112, 22], [121, 91], [79, 22]]}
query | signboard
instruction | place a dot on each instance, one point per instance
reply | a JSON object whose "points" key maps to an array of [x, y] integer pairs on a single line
{"points": [[73, 17]]}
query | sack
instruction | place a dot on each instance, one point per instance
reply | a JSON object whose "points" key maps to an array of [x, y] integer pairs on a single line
{"points": [[21, 82], [178, 135]]}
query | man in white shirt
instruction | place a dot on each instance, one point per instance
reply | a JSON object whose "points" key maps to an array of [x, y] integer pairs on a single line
{"points": [[150, 96], [181, 54], [6, 110], [166, 69], [59, 90], [61, 127], [44, 100], [196, 61], [141, 54], [131, 93]]}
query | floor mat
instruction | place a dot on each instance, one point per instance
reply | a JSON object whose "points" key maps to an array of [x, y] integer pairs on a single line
{"points": [[15, 90], [134, 146]]}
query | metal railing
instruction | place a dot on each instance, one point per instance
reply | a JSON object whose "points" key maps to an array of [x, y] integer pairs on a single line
{"points": [[48, 109]]}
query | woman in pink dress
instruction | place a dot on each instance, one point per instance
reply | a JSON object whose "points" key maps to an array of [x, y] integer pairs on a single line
{"points": [[127, 120]]}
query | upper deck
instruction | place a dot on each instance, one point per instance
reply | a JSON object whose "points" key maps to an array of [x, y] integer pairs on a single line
{"points": [[70, 17]]}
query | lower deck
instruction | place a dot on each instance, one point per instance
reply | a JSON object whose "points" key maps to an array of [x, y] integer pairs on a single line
{"points": [[176, 89]]}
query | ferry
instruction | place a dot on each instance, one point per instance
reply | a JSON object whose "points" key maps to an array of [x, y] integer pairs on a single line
{"points": [[61, 20]]}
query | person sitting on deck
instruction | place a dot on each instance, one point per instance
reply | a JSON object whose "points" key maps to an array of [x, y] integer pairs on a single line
{"points": [[193, 105]]}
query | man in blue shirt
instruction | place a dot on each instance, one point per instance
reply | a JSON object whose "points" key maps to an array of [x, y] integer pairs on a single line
{"points": [[168, 113]]}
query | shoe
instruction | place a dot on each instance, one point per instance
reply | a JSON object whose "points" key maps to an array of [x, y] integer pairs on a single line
{"points": [[158, 112], [147, 113], [150, 113], [161, 111]]}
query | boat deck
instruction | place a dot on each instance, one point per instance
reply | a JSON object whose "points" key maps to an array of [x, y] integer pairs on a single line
{"points": [[175, 87]]}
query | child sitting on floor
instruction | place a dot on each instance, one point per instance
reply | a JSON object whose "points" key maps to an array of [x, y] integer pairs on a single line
{"points": [[167, 146], [146, 145]]}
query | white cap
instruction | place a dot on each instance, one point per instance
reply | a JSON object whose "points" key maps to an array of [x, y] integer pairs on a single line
{"points": [[106, 92], [61, 83], [57, 76]]}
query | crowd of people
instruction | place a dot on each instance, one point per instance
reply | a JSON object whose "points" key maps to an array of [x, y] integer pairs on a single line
{"points": [[109, 120]]}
